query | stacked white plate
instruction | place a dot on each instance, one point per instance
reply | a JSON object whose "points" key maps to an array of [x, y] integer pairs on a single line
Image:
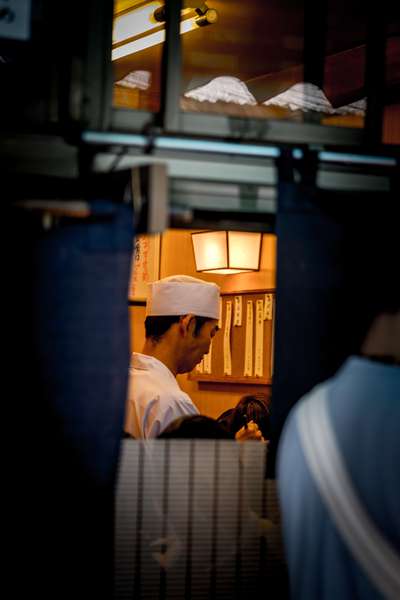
{"points": [[136, 79], [223, 89]]}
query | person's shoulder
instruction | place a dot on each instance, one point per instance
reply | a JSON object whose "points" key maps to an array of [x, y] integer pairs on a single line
{"points": [[141, 362], [175, 396], [225, 414], [310, 398]]}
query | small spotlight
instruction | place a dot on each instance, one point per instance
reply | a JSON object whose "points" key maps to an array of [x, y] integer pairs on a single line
{"points": [[207, 16], [210, 17], [159, 14]]}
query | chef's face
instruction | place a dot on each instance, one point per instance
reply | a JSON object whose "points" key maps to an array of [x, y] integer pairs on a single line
{"points": [[198, 344]]}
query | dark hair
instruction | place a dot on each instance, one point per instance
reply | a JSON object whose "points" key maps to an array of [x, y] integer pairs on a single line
{"points": [[249, 408], [196, 426], [156, 327]]}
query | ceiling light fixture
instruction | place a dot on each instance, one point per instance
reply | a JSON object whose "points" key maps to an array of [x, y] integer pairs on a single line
{"points": [[130, 29], [226, 252], [135, 22]]}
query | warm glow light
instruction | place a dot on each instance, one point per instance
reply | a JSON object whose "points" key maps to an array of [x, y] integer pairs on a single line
{"points": [[188, 25], [158, 37], [226, 252], [214, 253], [244, 250], [135, 22], [210, 250]]}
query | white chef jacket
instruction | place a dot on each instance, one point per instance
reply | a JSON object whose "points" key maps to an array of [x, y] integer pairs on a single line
{"points": [[154, 398]]}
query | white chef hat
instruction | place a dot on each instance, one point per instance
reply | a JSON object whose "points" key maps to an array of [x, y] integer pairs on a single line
{"points": [[182, 295]]}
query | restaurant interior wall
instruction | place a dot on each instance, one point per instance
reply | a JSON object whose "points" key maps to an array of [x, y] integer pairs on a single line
{"points": [[177, 258]]}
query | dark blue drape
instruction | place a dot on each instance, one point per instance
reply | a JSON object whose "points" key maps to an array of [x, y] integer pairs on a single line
{"points": [[333, 249], [67, 340]]}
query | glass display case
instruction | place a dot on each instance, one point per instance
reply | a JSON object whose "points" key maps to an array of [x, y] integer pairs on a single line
{"points": [[279, 72], [273, 71]]}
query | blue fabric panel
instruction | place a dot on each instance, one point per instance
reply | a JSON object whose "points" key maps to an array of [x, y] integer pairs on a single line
{"points": [[67, 337]]}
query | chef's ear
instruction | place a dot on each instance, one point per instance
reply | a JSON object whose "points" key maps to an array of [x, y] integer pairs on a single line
{"points": [[187, 324]]}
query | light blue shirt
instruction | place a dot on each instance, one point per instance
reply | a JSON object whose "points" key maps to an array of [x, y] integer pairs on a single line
{"points": [[364, 407]]}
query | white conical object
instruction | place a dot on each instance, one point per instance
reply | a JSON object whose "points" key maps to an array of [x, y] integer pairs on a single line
{"points": [[355, 108], [223, 89], [302, 96], [136, 79]]}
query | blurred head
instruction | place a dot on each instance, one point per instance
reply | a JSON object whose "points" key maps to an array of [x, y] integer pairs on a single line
{"points": [[249, 408], [195, 427]]}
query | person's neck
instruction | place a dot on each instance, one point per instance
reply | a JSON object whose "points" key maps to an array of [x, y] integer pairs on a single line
{"points": [[162, 352], [382, 358], [382, 342]]}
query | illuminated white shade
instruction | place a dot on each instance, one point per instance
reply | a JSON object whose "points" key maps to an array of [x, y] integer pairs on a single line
{"points": [[244, 250], [158, 37], [226, 252], [135, 22], [210, 250]]}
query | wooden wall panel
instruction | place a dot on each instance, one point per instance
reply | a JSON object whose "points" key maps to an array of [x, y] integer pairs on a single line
{"points": [[238, 343], [391, 124]]}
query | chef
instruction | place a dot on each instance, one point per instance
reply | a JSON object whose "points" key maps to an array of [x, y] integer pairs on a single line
{"points": [[181, 319]]}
